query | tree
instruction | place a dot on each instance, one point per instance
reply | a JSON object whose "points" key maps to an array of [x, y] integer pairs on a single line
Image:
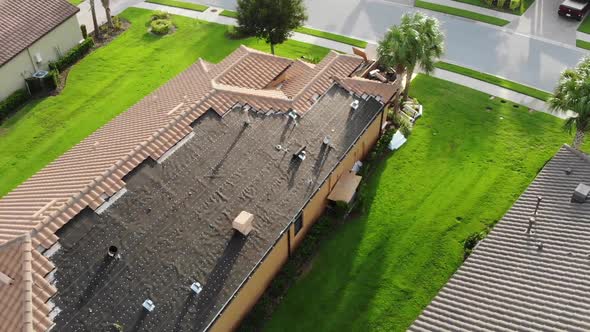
{"points": [[416, 41], [271, 20], [573, 93], [107, 10], [94, 21]]}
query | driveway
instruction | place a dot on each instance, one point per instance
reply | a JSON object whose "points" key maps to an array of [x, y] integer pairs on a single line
{"points": [[541, 20]]}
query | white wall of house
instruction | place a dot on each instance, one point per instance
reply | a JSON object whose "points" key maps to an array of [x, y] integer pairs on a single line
{"points": [[50, 47]]}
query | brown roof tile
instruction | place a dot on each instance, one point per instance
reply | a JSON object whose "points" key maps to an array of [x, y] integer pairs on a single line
{"points": [[23, 22], [94, 169]]}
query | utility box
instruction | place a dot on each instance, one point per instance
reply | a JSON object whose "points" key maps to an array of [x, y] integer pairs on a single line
{"points": [[244, 222]]}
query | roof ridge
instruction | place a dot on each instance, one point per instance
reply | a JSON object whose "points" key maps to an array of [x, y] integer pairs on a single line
{"points": [[577, 152]]}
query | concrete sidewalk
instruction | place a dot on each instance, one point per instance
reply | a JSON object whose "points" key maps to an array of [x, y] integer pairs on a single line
{"points": [[494, 90], [212, 15]]}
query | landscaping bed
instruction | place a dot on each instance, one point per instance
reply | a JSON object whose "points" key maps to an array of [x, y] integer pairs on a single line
{"points": [[109, 81], [461, 13], [525, 4], [468, 159]]}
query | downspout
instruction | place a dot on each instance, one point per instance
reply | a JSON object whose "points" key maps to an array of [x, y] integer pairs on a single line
{"points": [[31, 58]]}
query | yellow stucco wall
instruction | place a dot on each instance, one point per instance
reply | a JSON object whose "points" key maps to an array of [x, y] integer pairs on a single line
{"points": [[50, 47]]}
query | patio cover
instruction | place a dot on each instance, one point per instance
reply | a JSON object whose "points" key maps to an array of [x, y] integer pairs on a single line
{"points": [[345, 188]]}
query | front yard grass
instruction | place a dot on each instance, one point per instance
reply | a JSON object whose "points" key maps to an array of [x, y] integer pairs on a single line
{"points": [[585, 25], [75, 2], [583, 44], [462, 168], [510, 85], [461, 12], [108, 82], [180, 4]]}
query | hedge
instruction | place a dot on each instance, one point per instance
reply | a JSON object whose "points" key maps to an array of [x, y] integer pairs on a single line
{"points": [[73, 55], [14, 101]]}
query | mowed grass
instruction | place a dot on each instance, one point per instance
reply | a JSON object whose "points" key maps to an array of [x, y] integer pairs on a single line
{"points": [[462, 168], [108, 82], [180, 4], [461, 12], [75, 2], [583, 44], [313, 32], [585, 25], [510, 85]]}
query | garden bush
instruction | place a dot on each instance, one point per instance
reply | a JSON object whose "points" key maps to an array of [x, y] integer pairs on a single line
{"points": [[514, 4], [14, 101], [84, 31], [160, 15], [501, 3], [73, 55], [117, 23], [471, 241], [161, 26]]}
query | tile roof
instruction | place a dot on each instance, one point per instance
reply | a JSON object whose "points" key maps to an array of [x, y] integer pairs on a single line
{"points": [[94, 169], [23, 22], [519, 281]]}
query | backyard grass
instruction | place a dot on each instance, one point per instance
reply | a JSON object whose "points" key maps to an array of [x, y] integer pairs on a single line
{"points": [[314, 32], [109, 81], [462, 168], [510, 85], [583, 44], [461, 13], [180, 4], [525, 4]]}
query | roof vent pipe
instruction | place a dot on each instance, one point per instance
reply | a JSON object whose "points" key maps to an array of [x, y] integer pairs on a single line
{"points": [[539, 199]]}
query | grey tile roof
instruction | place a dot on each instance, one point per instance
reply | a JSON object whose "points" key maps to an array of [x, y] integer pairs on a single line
{"points": [[23, 22], [509, 283]]}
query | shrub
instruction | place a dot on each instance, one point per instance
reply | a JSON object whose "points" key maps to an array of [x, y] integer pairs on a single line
{"points": [[500, 3], [160, 15], [84, 31], [73, 55], [310, 58], [12, 102], [117, 23], [514, 4], [52, 79], [471, 241], [161, 27]]}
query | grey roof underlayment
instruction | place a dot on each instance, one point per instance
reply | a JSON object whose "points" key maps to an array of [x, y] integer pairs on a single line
{"points": [[515, 281], [173, 225]]}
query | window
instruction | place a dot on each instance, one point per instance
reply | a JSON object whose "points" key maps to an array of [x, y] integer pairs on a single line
{"points": [[298, 223]]}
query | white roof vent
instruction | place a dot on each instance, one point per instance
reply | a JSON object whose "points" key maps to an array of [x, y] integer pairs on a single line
{"points": [[149, 305], [354, 105], [581, 193], [196, 287], [293, 115]]}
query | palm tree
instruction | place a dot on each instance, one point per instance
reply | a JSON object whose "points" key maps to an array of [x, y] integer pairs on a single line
{"points": [[94, 21], [107, 10], [580, 123], [416, 41], [573, 93]]}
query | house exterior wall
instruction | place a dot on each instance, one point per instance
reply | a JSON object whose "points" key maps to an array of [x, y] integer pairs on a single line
{"points": [[51, 46], [253, 289]]}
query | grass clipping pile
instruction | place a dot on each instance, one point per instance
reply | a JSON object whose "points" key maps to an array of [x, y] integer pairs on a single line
{"points": [[161, 24]]}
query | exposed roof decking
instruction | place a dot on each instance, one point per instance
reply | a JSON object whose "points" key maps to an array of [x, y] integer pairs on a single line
{"points": [[174, 224], [508, 283]]}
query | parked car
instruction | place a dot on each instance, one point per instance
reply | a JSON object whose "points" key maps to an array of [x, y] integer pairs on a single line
{"points": [[574, 9]]}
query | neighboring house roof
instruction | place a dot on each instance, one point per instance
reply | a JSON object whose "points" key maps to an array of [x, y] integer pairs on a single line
{"points": [[93, 170], [24, 22], [519, 281]]}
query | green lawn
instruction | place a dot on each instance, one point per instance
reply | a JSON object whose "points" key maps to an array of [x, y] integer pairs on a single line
{"points": [[461, 13], [585, 25], [109, 81], [75, 2], [461, 169], [180, 4], [313, 32], [229, 13], [582, 44], [525, 4], [332, 36], [520, 88]]}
